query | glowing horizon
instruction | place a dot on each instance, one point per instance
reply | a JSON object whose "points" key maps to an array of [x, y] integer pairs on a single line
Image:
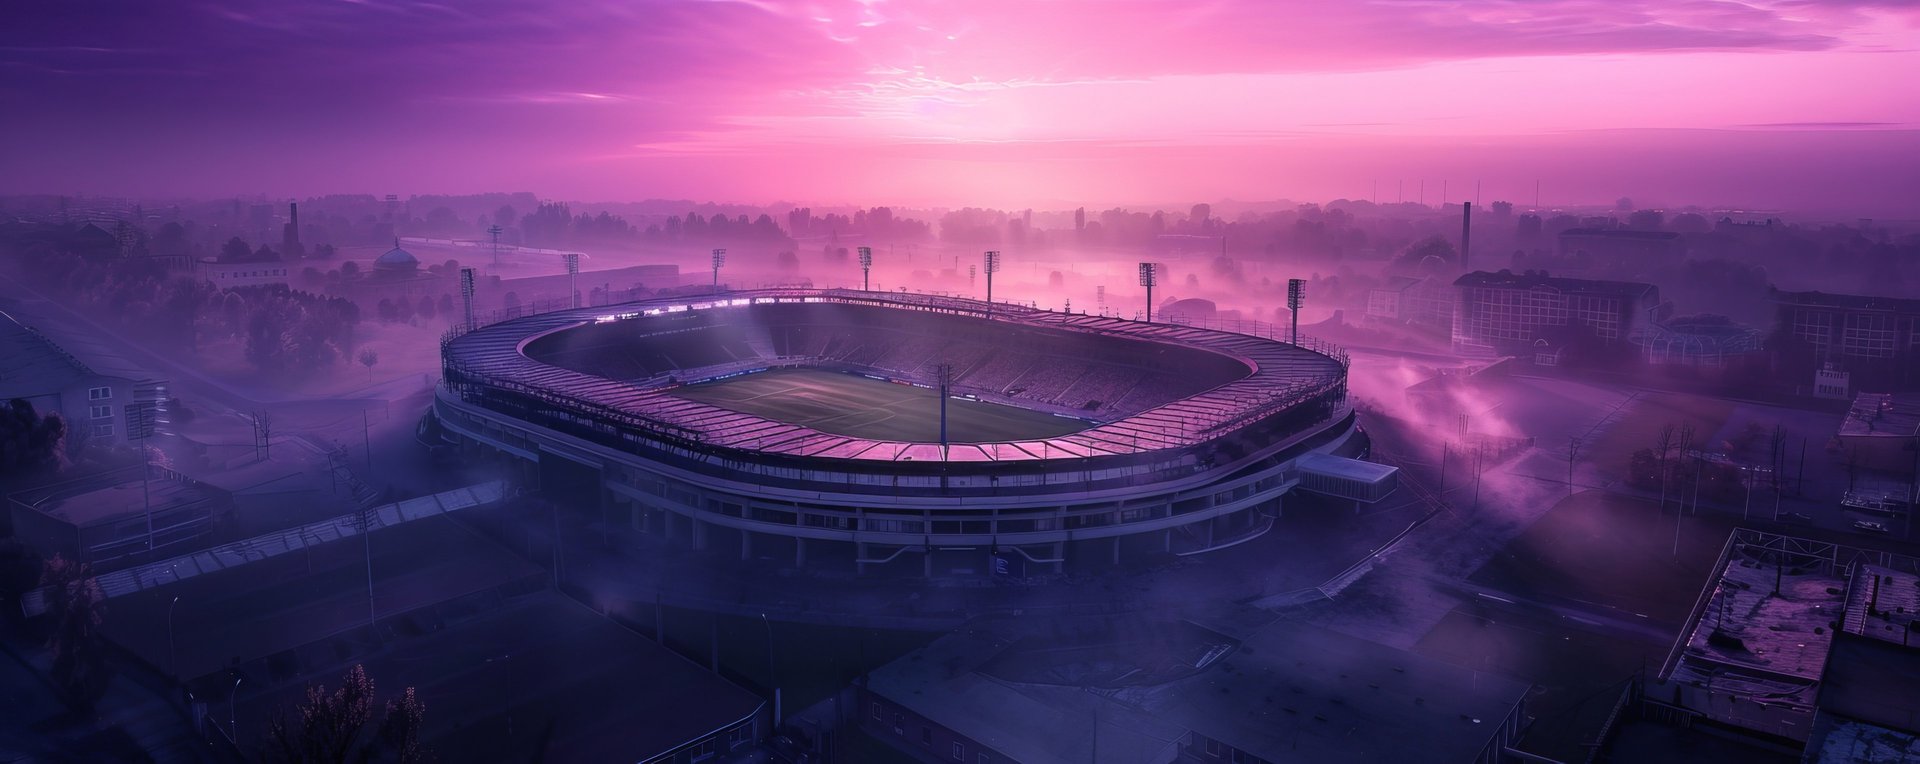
{"points": [[1786, 103]]}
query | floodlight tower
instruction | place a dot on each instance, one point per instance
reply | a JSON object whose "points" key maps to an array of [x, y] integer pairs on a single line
{"points": [[945, 374], [1149, 275], [990, 263], [573, 275], [970, 276], [866, 266], [719, 259], [495, 231], [1296, 295]]}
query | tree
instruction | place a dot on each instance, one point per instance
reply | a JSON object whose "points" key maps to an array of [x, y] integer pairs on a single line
{"points": [[31, 444], [20, 568], [1434, 247], [368, 358], [331, 727], [235, 251], [75, 608]]}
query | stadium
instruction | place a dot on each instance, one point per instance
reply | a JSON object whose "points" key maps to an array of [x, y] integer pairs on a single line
{"points": [[901, 434]]}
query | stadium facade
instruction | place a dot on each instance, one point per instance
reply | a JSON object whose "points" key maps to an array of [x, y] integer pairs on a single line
{"points": [[1187, 439]]}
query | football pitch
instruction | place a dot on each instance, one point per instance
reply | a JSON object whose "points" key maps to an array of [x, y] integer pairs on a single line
{"points": [[859, 407]]}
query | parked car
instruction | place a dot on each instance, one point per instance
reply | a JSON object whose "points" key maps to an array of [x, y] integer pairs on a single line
{"points": [[1869, 525], [1797, 517]]}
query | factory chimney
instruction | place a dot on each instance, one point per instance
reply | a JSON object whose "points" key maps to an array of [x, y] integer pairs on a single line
{"points": [[1466, 236], [290, 236]]}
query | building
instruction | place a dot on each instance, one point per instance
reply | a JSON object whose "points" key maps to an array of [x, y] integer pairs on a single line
{"points": [[509, 669], [1506, 313], [1757, 651], [1868, 711], [1183, 440], [1882, 432], [1128, 692], [1875, 340], [1697, 342], [1423, 302], [1620, 250], [103, 399], [114, 519], [228, 275]]}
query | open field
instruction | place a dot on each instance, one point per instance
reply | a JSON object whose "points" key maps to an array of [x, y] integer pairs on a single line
{"points": [[1640, 428], [861, 407]]}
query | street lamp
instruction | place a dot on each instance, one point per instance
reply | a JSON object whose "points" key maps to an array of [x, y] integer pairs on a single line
{"points": [[172, 667], [233, 724], [771, 677], [866, 265], [1149, 276]]}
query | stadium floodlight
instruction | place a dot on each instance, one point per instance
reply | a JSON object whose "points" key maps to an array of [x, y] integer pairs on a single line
{"points": [[990, 262], [866, 266], [1149, 276], [1296, 296], [573, 275], [719, 259], [495, 231]]}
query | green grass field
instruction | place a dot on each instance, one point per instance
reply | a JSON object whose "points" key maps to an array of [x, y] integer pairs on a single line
{"points": [[858, 407]]}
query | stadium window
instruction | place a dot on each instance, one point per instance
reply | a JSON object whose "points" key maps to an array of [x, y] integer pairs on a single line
{"points": [[100, 412], [876, 710], [103, 430], [100, 394], [959, 752], [984, 759]]}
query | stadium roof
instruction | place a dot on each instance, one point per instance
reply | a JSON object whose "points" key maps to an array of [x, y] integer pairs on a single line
{"points": [[35, 366], [1282, 375]]}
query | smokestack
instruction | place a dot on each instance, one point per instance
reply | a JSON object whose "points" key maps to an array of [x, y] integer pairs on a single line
{"points": [[1466, 236], [290, 237]]}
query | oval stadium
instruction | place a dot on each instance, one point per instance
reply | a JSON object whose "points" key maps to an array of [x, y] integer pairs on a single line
{"points": [[910, 435]]}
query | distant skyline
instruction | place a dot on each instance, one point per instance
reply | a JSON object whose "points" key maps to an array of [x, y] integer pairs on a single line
{"points": [[1807, 105]]}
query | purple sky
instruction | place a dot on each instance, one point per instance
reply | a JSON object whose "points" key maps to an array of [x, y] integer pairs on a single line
{"points": [[1806, 104]]}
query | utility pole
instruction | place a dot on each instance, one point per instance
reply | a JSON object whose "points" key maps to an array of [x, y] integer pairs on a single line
{"points": [[366, 520], [1149, 275], [866, 267], [1573, 453]]}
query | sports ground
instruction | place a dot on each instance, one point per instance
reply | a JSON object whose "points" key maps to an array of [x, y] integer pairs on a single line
{"points": [[862, 407]]}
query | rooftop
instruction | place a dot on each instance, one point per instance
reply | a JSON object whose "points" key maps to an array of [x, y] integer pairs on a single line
{"points": [[1622, 233], [1882, 604], [1883, 415], [35, 366], [1510, 280], [1847, 301], [1872, 680], [1289, 692], [1750, 641]]}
